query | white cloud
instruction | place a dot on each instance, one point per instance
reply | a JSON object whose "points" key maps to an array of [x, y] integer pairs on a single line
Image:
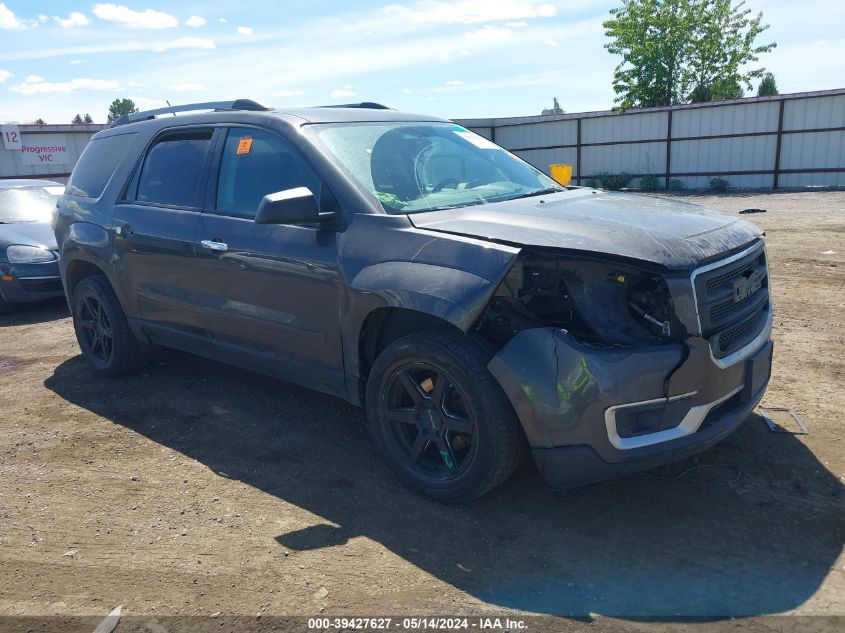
{"points": [[288, 93], [245, 30], [455, 82], [477, 11], [516, 25], [223, 20], [551, 43], [346, 91], [74, 19], [43, 18], [185, 42], [4, 75], [489, 34], [195, 20], [147, 19], [9, 20], [407, 91], [187, 87], [145, 103], [76, 61], [36, 85]]}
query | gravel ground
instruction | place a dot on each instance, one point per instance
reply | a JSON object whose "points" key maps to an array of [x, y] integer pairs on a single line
{"points": [[195, 489]]}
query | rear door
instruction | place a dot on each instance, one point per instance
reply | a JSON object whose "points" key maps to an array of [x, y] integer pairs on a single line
{"points": [[270, 292], [156, 223]]}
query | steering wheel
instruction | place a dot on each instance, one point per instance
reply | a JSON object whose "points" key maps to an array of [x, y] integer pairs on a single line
{"points": [[446, 181]]}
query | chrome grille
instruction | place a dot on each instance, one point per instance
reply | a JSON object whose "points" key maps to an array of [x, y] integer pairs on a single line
{"points": [[733, 301]]}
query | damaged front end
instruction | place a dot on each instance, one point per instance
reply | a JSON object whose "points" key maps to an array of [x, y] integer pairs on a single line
{"points": [[607, 366]]}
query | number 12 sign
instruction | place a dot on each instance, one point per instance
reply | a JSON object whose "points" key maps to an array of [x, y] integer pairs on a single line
{"points": [[11, 136]]}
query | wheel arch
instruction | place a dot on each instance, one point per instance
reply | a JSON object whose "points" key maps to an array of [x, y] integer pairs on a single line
{"points": [[384, 325]]}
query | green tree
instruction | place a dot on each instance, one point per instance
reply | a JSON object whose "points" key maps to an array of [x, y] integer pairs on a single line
{"points": [[719, 89], [768, 86], [672, 48], [39, 121], [119, 107], [87, 118], [77, 120]]}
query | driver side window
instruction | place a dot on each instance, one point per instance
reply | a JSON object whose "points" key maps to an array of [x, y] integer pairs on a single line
{"points": [[255, 163]]}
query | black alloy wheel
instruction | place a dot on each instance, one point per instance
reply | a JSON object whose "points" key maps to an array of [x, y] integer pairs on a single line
{"points": [[96, 334], [430, 420]]}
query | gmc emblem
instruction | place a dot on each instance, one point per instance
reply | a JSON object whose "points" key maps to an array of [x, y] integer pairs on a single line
{"points": [[744, 287]]}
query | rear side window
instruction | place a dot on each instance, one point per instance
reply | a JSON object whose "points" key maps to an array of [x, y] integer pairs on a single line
{"points": [[255, 163], [173, 168], [97, 164]]}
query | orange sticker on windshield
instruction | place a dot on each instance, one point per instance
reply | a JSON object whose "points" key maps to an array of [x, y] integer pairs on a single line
{"points": [[244, 145]]}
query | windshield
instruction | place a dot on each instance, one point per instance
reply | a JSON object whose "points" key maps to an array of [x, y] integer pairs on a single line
{"points": [[415, 167], [28, 204]]}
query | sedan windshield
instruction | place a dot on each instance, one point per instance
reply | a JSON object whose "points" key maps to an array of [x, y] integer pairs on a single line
{"points": [[415, 167], [28, 204]]}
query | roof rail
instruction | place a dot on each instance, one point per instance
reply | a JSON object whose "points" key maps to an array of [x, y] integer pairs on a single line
{"points": [[237, 104], [368, 105]]}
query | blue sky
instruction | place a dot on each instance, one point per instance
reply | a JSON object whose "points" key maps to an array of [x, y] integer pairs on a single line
{"points": [[453, 59]]}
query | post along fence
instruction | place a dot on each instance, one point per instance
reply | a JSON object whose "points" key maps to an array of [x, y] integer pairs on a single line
{"points": [[791, 140]]}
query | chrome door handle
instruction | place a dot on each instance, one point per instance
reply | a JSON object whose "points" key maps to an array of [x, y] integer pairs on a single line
{"points": [[215, 246]]}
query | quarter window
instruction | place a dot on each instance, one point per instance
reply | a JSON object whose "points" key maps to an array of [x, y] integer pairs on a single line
{"points": [[98, 162], [255, 163], [173, 168]]}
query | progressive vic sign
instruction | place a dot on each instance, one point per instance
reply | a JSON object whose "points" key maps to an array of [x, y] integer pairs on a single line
{"points": [[44, 149]]}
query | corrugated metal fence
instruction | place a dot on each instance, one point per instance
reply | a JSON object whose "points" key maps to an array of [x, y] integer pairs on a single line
{"points": [[73, 138], [791, 140]]}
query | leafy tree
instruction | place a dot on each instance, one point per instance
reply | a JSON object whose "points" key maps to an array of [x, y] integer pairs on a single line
{"points": [[672, 48], [39, 121], [87, 118], [77, 120], [719, 89], [768, 86], [119, 107]]}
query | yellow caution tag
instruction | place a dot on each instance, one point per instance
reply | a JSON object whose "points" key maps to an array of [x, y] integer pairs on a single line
{"points": [[245, 145]]}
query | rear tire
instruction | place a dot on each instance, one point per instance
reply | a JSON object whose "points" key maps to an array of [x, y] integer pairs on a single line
{"points": [[102, 331], [439, 417]]}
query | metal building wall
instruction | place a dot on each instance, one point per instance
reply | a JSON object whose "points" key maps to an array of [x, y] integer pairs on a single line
{"points": [[76, 137], [760, 142]]}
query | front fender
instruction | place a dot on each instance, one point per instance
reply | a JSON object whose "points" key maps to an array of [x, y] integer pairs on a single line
{"points": [[456, 296]]}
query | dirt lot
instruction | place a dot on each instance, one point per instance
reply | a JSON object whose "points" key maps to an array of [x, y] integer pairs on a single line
{"points": [[195, 488]]}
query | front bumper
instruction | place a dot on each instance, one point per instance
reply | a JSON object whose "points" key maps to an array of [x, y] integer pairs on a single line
{"points": [[591, 414], [24, 283]]}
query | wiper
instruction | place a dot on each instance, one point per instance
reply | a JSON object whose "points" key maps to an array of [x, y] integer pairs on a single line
{"points": [[540, 192]]}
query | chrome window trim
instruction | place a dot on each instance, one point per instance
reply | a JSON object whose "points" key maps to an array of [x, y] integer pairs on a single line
{"points": [[746, 351], [691, 422]]}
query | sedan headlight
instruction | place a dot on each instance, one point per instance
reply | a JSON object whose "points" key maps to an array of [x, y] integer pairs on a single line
{"points": [[21, 254]]}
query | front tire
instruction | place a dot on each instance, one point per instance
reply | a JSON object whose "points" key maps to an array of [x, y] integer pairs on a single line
{"points": [[102, 331], [439, 417]]}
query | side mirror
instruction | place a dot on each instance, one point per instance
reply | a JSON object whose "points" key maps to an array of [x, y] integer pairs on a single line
{"points": [[292, 206]]}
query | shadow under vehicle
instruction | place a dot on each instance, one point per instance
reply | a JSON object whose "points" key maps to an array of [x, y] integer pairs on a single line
{"points": [[751, 527]]}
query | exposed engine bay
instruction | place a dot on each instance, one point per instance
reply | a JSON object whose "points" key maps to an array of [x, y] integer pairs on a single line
{"points": [[600, 303]]}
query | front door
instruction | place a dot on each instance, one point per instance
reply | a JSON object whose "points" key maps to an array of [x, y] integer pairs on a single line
{"points": [[270, 292]]}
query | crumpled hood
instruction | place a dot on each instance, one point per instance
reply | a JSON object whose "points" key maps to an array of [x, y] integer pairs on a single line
{"points": [[29, 234], [658, 230]]}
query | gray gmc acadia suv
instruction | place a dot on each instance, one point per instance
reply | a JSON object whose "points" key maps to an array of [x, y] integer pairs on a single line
{"points": [[475, 307]]}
